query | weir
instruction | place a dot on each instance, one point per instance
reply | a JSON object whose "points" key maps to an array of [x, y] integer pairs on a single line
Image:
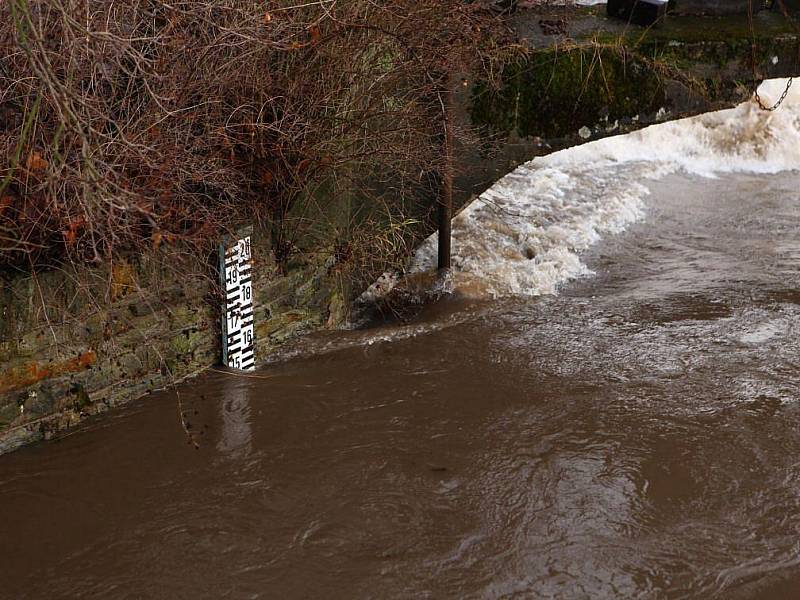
{"points": [[577, 76]]}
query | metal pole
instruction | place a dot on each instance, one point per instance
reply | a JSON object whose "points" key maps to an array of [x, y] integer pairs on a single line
{"points": [[446, 198]]}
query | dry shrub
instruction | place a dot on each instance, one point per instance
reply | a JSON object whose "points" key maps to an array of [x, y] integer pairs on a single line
{"points": [[133, 124]]}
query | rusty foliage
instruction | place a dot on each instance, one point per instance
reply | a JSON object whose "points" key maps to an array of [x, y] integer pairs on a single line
{"points": [[126, 125]]}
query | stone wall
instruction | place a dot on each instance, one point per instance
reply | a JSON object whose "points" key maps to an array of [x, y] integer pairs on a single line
{"points": [[77, 341]]}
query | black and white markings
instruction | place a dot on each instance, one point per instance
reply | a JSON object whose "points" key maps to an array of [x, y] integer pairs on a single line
{"points": [[238, 340]]}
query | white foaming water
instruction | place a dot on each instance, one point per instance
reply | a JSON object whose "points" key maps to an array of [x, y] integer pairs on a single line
{"points": [[524, 235]]}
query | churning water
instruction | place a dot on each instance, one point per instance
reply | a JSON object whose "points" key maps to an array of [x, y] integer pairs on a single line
{"points": [[634, 436], [526, 233]]}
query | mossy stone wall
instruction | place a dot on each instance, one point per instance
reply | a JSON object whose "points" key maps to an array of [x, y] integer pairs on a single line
{"points": [[77, 341]]}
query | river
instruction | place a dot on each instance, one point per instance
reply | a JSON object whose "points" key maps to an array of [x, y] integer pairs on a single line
{"points": [[606, 407]]}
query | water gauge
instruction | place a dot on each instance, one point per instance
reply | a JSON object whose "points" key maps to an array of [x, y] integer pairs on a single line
{"points": [[236, 267]]}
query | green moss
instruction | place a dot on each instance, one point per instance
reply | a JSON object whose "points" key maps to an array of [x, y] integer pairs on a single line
{"points": [[181, 344], [337, 309]]}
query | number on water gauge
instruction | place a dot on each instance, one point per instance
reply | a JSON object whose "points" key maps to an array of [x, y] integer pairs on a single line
{"points": [[238, 337]]}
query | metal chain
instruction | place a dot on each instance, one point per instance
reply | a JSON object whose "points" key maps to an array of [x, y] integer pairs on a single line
{"points": [[754, 49], [777, 105]]}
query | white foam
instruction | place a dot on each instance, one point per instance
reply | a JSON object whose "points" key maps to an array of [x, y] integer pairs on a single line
{"points": [[745, 138], [526, 233]]}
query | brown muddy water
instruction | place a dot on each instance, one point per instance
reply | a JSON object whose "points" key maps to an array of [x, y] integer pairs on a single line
{"points": [[636, 436]]}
